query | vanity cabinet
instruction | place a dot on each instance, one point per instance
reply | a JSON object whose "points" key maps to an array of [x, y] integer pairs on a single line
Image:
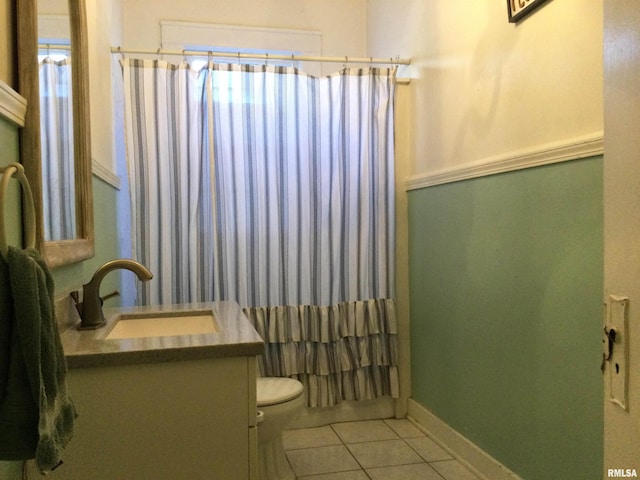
{"points": [[164, 408], [188, 419]]}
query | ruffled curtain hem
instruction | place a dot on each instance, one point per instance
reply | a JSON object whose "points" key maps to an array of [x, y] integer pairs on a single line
{"points": [[346, 351]]}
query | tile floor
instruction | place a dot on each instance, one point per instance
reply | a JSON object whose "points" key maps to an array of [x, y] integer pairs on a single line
{"points": [[370, 450]]}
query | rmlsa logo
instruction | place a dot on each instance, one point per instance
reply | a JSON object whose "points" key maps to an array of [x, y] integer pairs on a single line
{"points": [[622, 473]]}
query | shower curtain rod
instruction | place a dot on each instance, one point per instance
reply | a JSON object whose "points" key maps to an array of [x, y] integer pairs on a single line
{"points": [[53, 46], [265, 56]]}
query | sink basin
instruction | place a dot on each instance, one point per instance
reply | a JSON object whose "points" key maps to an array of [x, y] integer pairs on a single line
{"points": [[163, 324]]}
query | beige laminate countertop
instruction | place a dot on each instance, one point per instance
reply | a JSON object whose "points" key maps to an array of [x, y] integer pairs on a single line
{"points": [[235, 336]]}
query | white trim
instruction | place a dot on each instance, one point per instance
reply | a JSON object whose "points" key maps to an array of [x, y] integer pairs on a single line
{"points": [[13, 106], [572, 149], [177, 35], [466, 452], [346, 411], [176, 32], [105, 174], [53, 27]]}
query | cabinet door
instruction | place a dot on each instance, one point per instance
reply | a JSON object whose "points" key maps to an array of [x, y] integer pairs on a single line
{"points": [[162, 421]]}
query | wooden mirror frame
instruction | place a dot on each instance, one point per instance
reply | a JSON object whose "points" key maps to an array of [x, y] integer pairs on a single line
{"points": [[61, 252]]}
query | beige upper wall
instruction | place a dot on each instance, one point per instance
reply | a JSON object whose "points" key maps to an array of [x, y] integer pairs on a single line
{"points": [[483, 87], [342, 22], [104, 20], [136, 24], [53, 7]]}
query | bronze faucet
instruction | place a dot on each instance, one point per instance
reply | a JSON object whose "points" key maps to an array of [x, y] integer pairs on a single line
{"points": [[90, 309]]}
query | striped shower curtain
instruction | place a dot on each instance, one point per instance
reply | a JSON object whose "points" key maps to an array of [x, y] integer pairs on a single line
{"points": [[273, 188], [56, 129]]}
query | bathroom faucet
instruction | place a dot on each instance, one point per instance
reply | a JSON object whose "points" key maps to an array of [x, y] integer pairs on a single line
{"points": [[90, 309]]}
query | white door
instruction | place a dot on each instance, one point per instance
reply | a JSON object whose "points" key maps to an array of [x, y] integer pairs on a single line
{"points": [[622, 234]]}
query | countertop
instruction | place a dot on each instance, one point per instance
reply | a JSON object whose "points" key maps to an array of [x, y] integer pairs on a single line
{"points": [[235, 336]]}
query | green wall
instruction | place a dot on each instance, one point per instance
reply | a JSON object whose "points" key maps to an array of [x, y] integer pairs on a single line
{"points": [[69, 277], [72, 277], [9, 153], [506, 279]]}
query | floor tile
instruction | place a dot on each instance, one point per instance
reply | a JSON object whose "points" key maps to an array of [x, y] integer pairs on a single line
{"points": [[389, 449], [453, 470], [418, 471], [355, 475], [309, 438], [365, 431], [383, 453], [428, 449], [404, 428], [313, 461]]}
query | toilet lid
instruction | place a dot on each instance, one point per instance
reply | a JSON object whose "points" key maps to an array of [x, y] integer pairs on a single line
{"points": [[274, 390]]}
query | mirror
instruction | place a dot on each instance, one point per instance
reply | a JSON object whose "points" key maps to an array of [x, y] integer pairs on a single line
{"points": [[56, 120], [77, 243]]}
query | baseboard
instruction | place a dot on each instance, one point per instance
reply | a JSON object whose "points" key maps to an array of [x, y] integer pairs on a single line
{"points": [[346, 411], [478, 461]]}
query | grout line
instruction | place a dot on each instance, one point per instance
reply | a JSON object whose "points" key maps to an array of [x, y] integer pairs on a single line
{"points": [[398, 437], [423, 459], [348, 450], [404, 439]]}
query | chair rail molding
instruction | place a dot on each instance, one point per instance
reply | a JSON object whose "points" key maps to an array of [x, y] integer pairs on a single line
{"points": [[557, 152], [13, 106], [106, 175]]}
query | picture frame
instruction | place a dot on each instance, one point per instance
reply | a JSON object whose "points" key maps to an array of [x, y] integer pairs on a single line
{"points": [[518, 9]]}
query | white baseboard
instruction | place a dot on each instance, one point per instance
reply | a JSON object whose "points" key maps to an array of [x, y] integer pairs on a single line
{"points": [[347, 411], [475, 459]]}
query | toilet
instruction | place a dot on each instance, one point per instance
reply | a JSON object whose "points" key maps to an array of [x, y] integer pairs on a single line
{"points": [[280, 401]]}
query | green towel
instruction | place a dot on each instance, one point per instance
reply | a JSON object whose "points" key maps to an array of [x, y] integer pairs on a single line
{"points": [[6, 329], [36, 412]]}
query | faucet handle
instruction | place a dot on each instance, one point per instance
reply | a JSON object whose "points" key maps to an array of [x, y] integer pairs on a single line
{"points": [[75, 295], [115, 293]]}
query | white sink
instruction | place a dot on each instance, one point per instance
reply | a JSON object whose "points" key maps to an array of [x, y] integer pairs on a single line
{"points": [[163, 324]]}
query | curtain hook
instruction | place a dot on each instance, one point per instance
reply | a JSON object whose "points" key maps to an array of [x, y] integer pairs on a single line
{"points": [[239, 57], [266, 59], [184, 55], [120, 52]]}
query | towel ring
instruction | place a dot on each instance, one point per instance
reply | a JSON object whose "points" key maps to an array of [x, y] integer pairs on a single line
{"points": [[17, 170]]}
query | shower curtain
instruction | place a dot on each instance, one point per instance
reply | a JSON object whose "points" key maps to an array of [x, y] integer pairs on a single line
{"points": [[273, 188], [56, 130]]}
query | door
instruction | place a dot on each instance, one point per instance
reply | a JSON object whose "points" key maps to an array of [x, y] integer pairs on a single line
{"points": [[622, 233]]}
